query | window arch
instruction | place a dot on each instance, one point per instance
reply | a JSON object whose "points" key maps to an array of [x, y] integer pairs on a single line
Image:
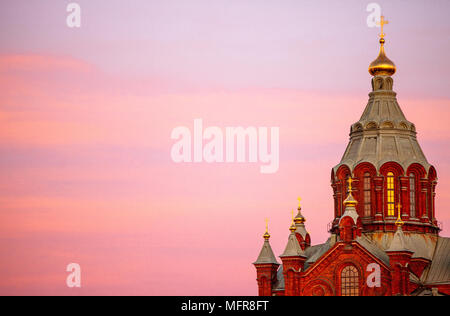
{"points": [[412, 195], [390, 194], [349, 281], [367, 195], [342, 175]]}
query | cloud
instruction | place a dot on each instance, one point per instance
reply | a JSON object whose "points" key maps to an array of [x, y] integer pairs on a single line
{"points": [[85, 160]]}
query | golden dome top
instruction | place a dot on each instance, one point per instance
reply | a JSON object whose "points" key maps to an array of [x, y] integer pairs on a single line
{"points": [[293, 228], [350, 200], [266, 235], [299, 219], [382, 66]]}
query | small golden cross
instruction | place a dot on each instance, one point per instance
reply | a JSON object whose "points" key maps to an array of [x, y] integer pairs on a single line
{"points": [[299, 200], [399, 218], [381, 24], [350, 181], [267, 225]]}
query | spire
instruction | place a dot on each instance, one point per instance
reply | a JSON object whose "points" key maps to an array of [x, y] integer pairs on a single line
{"points": [[350, 203], [382, 66], [266, 235], [293, 228], [398, 242], [350, 200], [300, 220], [266, 255], [399, 221], [293, 248]]}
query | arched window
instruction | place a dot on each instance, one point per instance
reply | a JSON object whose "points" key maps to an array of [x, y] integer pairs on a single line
{"points": [[390, 194], [412, 195], [367, 197], [349, 281], [346, 186]]}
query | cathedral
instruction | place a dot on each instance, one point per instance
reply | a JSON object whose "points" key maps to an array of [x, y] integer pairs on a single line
{"points": [[384, 238]]}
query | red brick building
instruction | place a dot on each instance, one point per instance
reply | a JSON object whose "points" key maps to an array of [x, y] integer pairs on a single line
{"points": [[385, 235]]}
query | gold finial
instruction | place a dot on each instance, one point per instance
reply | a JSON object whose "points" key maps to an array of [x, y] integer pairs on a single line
{"points": [[350, 181], [350, 200], [293, 228], [399, 221], [299, 219], [382, 66], [381, 24], [266, 234]]}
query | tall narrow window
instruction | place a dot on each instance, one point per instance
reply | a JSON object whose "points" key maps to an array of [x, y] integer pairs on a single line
{"points": [[367, 196], [390, 194], [346, 185], [412, 195], [349, 281]]}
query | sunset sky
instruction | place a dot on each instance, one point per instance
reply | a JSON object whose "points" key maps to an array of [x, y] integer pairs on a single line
{"points": [[86, 116]]}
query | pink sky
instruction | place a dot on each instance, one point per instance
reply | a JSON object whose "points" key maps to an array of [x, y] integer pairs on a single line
{"points": [[86, 116]]}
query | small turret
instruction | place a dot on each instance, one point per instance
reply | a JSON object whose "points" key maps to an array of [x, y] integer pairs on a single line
{"points": [[349, 223], [303, 237], [293, 259], [266, 266], [399, 259]]}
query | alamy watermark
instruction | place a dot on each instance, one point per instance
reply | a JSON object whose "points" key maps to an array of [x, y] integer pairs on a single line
{"points": [[74, 18], [231, 144], [74, 278], [373, 19], [374, 278]]}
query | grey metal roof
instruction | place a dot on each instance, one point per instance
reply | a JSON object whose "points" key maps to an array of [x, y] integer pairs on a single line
{"points": [[292, 247], [315, 252], [423, 245], [426, 292], [398, 242], [266, 255], [301, 229], [383, 134], [440, 266], [373, 248], [279, 285]]}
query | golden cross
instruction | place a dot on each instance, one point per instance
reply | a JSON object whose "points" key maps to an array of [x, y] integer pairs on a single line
{"points": [[292, 215], [267, 225], [299, 200], [381, 24], [399, 220], [350, 181]]}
